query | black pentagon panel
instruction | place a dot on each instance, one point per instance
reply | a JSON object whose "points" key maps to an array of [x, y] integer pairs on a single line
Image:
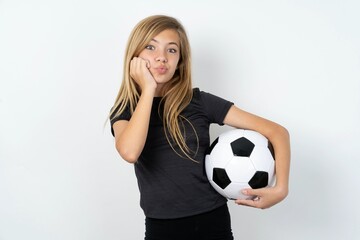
{"points": [[221, 178], [259, 180], [212, 146], [242, 147], [271, 149]]}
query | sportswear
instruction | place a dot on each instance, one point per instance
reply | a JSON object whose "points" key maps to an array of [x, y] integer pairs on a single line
{"points": [[172, 186], [212, 225]]}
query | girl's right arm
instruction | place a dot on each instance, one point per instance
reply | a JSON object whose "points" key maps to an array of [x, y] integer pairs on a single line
{"points": [[130, 136]]}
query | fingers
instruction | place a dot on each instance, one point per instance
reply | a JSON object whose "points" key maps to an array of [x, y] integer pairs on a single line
{"points": [[251, 192], [140, 73], [250, 203], [262, 197], [255, 198], [138, 66], [147, 63], [252, 200]]}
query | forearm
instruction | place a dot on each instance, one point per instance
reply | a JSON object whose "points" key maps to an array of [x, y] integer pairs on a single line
{"points": [[281, 143], [132, 138]]}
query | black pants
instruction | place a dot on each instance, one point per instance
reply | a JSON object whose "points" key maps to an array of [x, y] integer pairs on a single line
{"points": [[214, 225]]}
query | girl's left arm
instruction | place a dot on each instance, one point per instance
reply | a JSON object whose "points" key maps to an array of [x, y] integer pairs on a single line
{"points": [[279, 137]]}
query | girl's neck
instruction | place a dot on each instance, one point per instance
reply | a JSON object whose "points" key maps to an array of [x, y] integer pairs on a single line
{"points": [[159, 91]]}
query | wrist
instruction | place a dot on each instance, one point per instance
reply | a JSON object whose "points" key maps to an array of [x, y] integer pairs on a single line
{"points": [[148, 92]]}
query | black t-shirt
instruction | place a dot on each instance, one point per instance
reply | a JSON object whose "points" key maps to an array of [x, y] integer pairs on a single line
{"points": [[171, 186]]}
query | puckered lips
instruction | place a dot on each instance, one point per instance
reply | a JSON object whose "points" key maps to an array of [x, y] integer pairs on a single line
{"points": [[161, 69]]}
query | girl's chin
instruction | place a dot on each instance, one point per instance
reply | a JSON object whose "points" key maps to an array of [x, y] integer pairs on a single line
{"points": [[161, 80]]}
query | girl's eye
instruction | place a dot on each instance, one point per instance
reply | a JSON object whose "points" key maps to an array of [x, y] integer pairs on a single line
{"points": [[172, 50], [149, 47]]}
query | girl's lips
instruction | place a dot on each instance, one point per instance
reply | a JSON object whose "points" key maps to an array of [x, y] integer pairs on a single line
{"points": [[161, 70]]}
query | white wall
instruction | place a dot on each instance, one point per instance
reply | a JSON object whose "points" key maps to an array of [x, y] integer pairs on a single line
{"points": [[295, 62]]}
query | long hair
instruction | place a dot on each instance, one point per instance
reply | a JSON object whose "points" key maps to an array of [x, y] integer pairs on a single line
{"points": [[177, 92]]}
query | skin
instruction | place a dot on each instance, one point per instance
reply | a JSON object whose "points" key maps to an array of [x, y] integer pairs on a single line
{"points": [[161, 57], [154, 67]]}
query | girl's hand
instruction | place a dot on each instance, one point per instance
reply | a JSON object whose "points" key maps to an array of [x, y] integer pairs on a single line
{"points": [[139, 71], [265, 197]]}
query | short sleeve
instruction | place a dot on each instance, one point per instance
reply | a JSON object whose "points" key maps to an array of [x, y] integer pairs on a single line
{"points": [[125, 115], [215, 107]]}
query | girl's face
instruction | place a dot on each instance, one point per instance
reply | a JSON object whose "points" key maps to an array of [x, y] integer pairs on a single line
{"points": [[163, 54]]}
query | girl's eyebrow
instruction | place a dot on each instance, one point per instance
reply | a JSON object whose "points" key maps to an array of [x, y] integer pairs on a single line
{"points": [[170, 43]]}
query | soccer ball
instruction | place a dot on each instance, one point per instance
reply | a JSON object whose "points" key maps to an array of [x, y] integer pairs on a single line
{"points": [[240, 159]]}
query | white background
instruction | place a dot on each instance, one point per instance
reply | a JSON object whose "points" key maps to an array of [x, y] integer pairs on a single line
{"points": [[294, 62]]}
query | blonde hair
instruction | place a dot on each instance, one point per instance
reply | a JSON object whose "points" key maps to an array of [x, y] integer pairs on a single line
{"points": [[177, 92]]}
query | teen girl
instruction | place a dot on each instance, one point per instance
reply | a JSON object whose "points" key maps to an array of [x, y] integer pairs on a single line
{"points": [[161, 125]]}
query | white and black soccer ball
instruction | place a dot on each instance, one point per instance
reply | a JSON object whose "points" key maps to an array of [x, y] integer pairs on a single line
{"points": [[240, 159]]}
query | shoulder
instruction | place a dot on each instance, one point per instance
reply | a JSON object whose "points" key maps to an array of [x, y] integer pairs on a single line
{"points": [[207, 97], [214, 107], [196, 93], [200, 95]]}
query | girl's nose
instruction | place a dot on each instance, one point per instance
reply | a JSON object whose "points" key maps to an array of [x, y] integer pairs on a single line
{"points": [[161, 58]]}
